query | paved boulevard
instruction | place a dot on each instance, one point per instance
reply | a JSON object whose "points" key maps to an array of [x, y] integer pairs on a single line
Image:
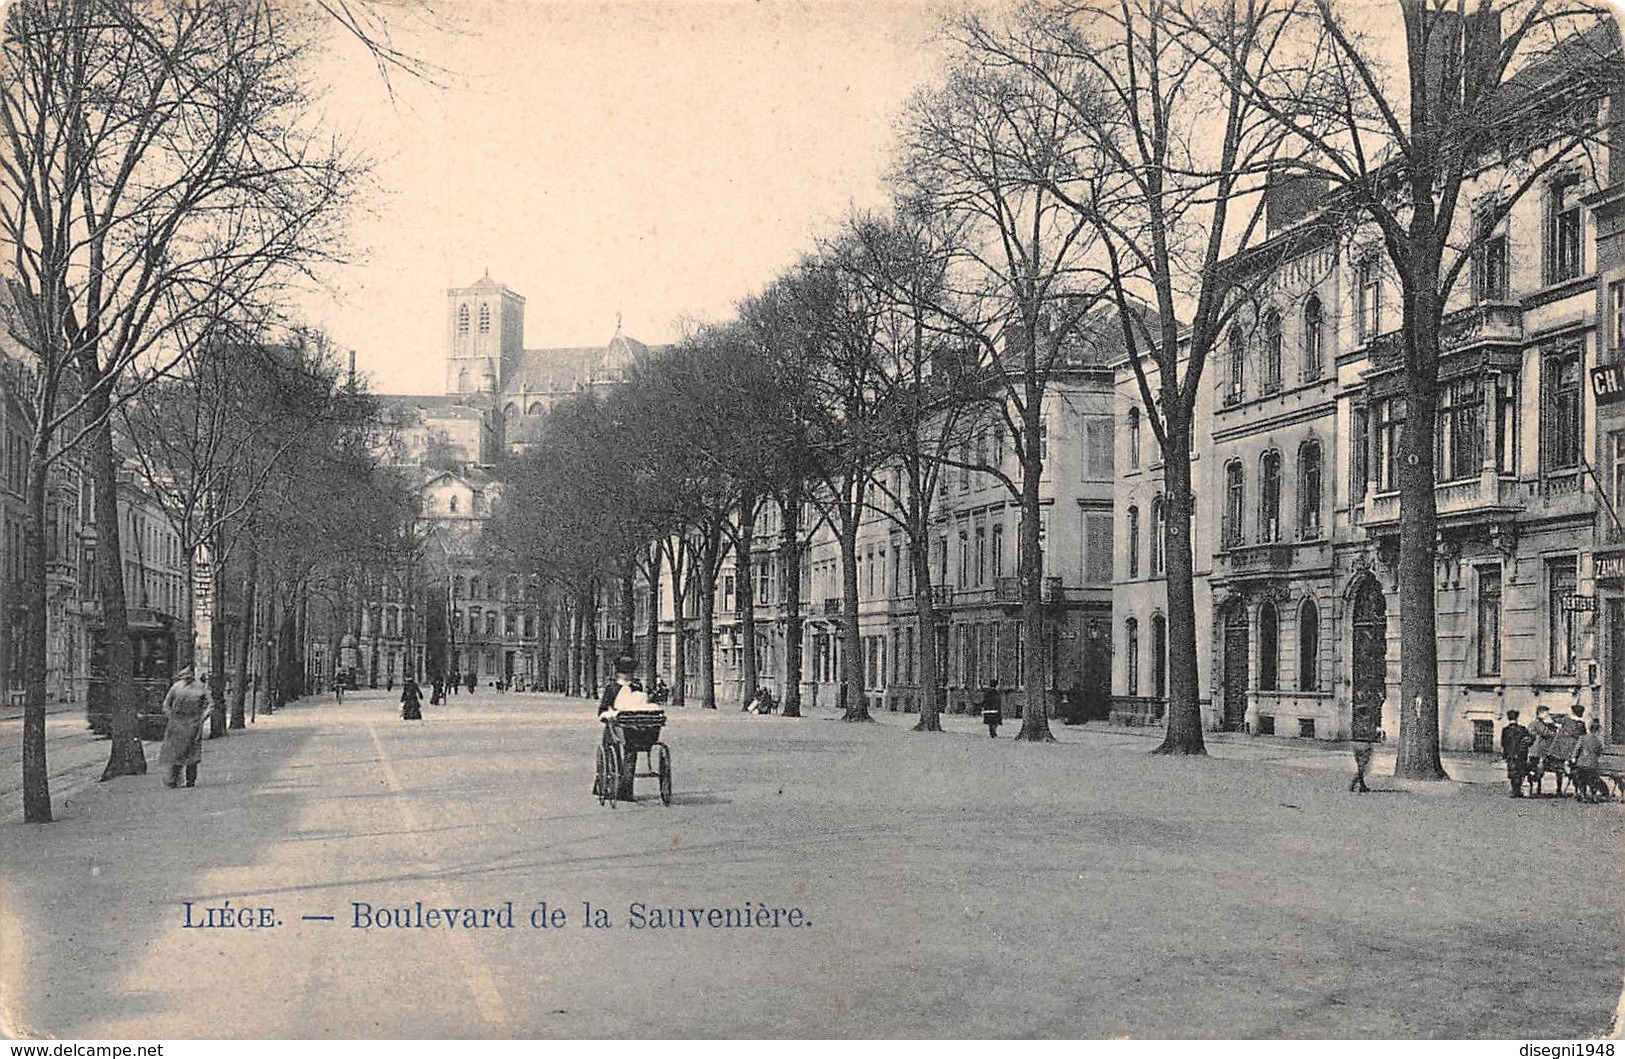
{"points": [[952, 885]]}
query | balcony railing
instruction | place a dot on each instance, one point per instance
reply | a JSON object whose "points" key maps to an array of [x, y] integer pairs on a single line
{"points": [[1488, 494], [830, 606], [1489, 323]]}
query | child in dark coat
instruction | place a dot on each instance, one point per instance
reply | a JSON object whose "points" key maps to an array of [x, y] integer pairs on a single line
{"points": [[1515, 743]]}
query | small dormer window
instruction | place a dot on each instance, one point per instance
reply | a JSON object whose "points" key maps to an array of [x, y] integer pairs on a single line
{"points": [[452, 505], [485, 318]]}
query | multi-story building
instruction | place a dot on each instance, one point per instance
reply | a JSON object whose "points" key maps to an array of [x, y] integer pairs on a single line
{"points": [[974, 587], [1306, 443]]}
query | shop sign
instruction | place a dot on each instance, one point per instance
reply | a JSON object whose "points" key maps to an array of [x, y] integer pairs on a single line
{"points": [[1608, 383], [1609, 566]]}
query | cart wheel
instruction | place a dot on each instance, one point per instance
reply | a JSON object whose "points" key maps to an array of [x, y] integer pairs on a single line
{"points": [[663, 769], [600, 784]]}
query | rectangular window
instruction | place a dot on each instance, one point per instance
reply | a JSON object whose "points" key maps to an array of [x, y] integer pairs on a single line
{"points": [[1564, 247], [1616, 485], [1561, 401], [1490, 263], [1098, 548], [981, 555], [1506, 424], [1459, 436], [998, 549], [1561, 624], [1616, 315], [1368, 307], [1358, 464], [1098, 444], [1489, 621], [1390, 426]]}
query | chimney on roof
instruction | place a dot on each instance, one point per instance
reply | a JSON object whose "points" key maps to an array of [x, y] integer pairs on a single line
{"points": [[1289, 198]]}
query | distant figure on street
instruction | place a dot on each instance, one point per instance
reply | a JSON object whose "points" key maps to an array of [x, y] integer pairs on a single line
{"points": [[1541, 732], [411, 701], [436, 691], [453, 682], [338, 688], [992, 710], [659, 693], [1515, 744], [473, 681], [1363, 733], [1569, 731], [1586, 761], [186, 706], [389, 682]]}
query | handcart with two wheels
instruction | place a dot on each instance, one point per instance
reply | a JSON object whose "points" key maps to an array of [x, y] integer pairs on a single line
{"points": [[628, 733]]}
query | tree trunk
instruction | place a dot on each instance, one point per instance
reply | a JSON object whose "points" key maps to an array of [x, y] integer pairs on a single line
{"points": [[268, 673], [928, 674], [745, 593], [1035, 714], [36, 782], [653, 617], [857, 707], [217, 636], [245, 640], [709, 560], [790, 548], [589, 637], [125, 757], [1184, 731], [679, 631], [1417, 755], [573, 648], [629, 611]]}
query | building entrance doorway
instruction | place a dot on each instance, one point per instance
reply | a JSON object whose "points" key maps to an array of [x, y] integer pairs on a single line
{"points": [[1370, 668], [1235, 667], [1615, 668]]}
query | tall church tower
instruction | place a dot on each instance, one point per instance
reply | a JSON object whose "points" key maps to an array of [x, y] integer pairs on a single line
{"points": [[485, 326]]}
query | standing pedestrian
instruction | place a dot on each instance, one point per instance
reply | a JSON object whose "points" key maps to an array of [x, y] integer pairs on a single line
{"points": [[1362, 735], [992, 710], [186, 706], [1584, 766], [1515, 744], [411, 701], [473, 681], [338, 686]]}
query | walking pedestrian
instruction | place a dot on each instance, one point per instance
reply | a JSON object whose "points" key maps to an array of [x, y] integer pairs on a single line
{"points": [[338, 687], [1363, 733], [411, 701], [473, 681], [186, 705], [992, 710], [1515, 744]]}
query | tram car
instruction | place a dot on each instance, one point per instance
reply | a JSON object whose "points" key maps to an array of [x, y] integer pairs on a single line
{"points": [[152, 647]]}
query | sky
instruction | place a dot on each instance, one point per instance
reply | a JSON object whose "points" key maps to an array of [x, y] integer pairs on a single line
{"points": [[654, 162]]}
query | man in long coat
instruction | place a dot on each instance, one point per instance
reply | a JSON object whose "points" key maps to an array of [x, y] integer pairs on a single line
{"points": [[186, 705]]}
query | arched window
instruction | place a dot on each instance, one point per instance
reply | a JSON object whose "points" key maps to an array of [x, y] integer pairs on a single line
{"points": [[1159, 656], [1269, 497], [459, 586], [452, 505], [1269, 648], [473, 588], [1272, 351], [1238, 366], [1134, 439], [1234, 493], [1309, 477], [1159, 526], [485, 318], [1308, 646], [1313, 330], [1134, 542], [462, 381], [462, 318], [1131, 657]]}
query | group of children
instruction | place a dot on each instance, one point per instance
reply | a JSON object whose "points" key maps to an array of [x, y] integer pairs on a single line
{"points": [[1546, 744]]}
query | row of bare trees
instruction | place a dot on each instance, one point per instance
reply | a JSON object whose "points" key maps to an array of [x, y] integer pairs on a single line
{"points": [[161, 185], [1089, 167]]}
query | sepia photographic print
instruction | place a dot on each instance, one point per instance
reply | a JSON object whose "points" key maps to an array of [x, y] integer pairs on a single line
{"points": [[1057, 519]]}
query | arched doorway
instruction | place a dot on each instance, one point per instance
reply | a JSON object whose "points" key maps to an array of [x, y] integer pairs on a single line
{"points": [[1235, 667], [1370, 664]]}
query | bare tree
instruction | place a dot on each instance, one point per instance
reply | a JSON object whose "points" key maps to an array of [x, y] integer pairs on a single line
{"points": [[985, 154], [154, 171]]}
